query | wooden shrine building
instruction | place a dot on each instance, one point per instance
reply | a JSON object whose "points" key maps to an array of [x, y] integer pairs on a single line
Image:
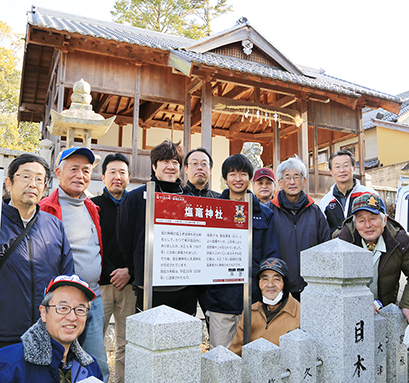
{"points": [[234, 84]]}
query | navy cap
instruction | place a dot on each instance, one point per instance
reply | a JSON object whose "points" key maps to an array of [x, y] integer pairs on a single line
{"points": [[275, 264], [369, 202], [70, 280]]}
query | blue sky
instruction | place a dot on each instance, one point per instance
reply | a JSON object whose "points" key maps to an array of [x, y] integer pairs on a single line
{"points": [[356, 40]]}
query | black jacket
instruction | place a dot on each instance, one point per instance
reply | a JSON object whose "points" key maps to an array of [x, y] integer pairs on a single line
{"points": [[310, 229], [131, 226], [112, 257], [205, 192]]}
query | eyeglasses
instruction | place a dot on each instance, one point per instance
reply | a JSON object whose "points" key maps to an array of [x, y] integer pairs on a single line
{"points": [[65, 310], [339, 167], [27, 178], [195, 164], [296, 178]]}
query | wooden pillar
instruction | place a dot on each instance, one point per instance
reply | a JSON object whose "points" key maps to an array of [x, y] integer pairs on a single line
{"points": [[135, 121], [315, 150], [361, 146], [187, 120], [206, 129], [120, 133], [277, 159], [303, 137]]}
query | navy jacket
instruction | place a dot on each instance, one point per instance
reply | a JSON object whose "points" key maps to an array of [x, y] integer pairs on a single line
{"points": [[42, 254], [228, 299], [38, 357], [310, 229]]}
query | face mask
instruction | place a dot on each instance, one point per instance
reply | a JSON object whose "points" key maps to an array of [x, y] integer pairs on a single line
{"points": [[274, 301]]}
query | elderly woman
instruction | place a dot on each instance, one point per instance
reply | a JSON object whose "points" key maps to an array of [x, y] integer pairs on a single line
{"points": [[278, 313]]}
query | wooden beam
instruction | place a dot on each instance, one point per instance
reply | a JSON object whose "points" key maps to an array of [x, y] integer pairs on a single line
{"points": [[284, 102], [235, 92], [276, 135], [149, 110], [206, 125], [194, 85], [32, 108]]}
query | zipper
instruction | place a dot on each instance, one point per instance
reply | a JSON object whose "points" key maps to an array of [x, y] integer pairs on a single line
{"points": [[32, 279]]}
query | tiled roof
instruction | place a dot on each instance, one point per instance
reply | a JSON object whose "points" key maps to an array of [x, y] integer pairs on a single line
{"points": [[49, 19], [384, 115]]}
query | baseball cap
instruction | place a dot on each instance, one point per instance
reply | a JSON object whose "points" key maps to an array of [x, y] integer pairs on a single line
{"points": [[275, 264], [369, 202], [263, 172], [76, 150], [70, 280]]}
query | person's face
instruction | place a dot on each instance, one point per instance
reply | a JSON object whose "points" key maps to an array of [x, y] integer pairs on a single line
{"points": [[370, 226], [238, 181], [116, 177], [65, 328], [342, 170], [167, 170], [292, 183], [271, 284], [198, 169], [74, 175], [23, 191], [263, 188]]}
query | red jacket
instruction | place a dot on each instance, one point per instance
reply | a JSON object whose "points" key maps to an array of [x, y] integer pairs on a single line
{"points": [[52, 205]]}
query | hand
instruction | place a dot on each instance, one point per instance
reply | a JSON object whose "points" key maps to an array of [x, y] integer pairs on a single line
{"points": [[120, 278], [406, 313], [375, 310]]}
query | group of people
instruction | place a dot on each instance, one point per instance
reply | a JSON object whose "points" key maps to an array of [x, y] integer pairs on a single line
{"points": [[102, 241]]}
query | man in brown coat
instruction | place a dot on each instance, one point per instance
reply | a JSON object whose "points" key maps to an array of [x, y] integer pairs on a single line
{"points": [[279, 312], [369, 227]]}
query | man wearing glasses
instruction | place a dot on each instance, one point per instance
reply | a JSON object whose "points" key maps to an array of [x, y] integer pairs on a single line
{"points": [[50, 351], [198, 168], [33, 247], [299, 222], [337, 203]]}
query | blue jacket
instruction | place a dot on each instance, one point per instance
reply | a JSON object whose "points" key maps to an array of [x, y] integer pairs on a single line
{"points": [[37, 359], [228, 299], [42, 254], [310, 229]]}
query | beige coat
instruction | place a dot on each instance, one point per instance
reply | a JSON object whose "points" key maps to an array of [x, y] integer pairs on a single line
{"points": [[287, 319]]}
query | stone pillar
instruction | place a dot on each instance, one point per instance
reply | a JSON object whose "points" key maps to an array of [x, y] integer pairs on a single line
{"points": [[261, 362], [91, 379], [337, 310], [396, 357], [299, 356], [221, 366], [163, 346], [46, 147], [380, 349]]}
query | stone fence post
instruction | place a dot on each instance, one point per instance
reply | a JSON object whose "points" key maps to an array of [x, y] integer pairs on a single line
{"points": [[163, 346], [337, 310]]}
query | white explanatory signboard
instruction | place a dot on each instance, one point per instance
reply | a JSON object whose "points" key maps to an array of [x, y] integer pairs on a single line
{"points": [[199, 241]]}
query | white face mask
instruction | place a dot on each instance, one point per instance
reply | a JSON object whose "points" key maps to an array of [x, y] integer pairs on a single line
{"points": [[274, 301]]}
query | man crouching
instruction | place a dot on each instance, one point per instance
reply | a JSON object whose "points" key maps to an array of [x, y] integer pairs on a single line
{"points": [[279, 312], [49, 351]]}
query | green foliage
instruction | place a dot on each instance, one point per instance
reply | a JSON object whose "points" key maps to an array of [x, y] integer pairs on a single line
{"points": [[26, 136], [189, 18]]}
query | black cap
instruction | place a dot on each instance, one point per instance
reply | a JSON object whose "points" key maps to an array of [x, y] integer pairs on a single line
{"points": [[275, 264]]}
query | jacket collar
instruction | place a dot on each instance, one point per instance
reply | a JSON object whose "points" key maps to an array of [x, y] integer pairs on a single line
{"points": [[40, 349], [256, 202], [276, 202], [195, 191], [290, 307], [14, 215]]}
